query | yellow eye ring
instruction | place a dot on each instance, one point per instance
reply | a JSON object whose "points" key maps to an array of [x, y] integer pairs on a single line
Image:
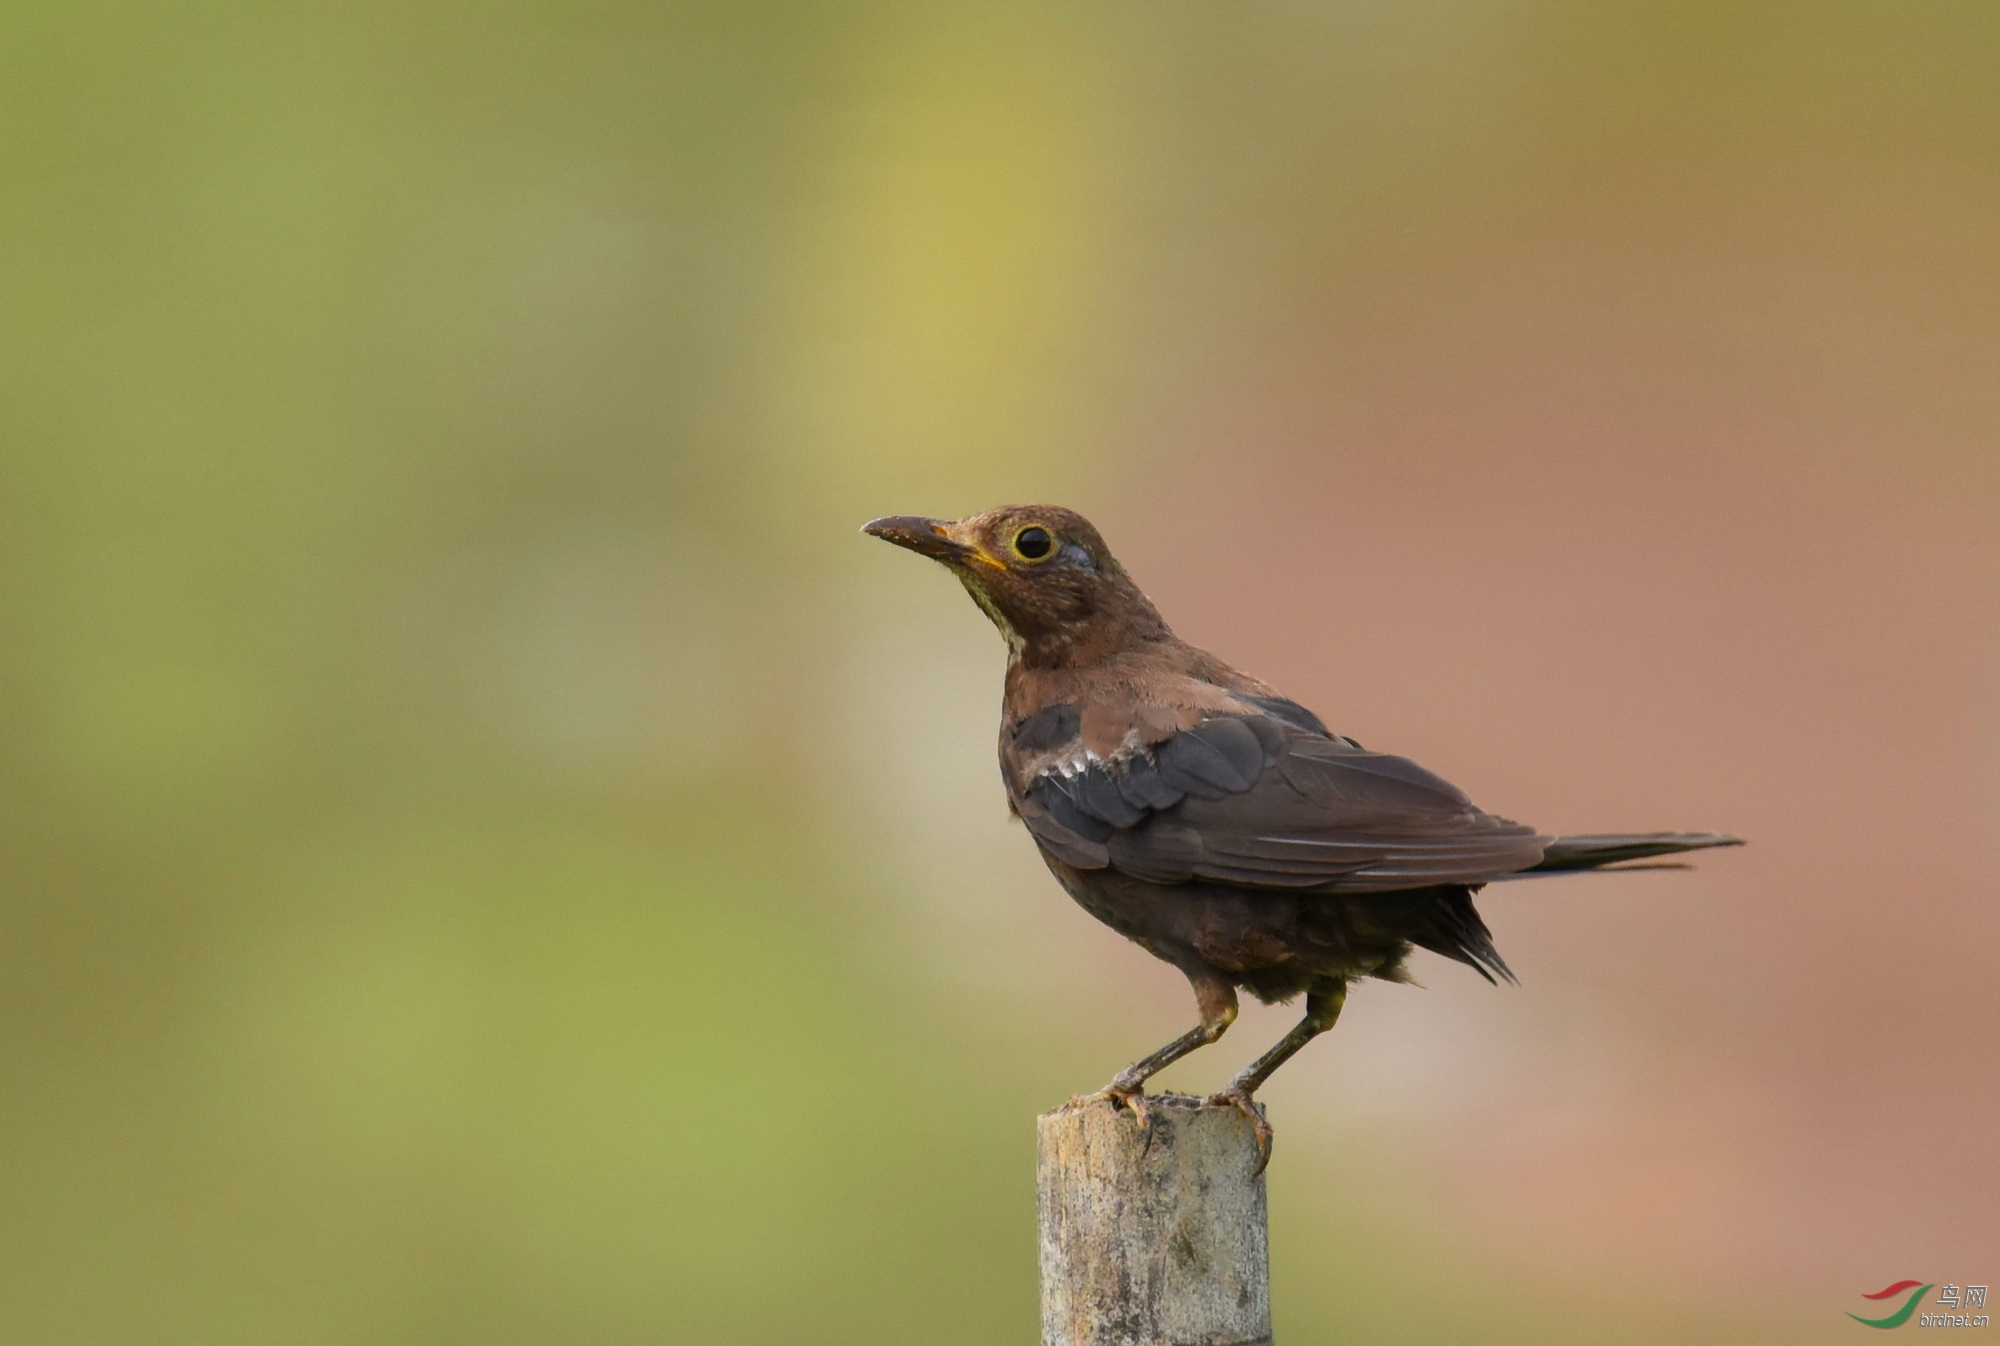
{"points": [[1033, 544]]}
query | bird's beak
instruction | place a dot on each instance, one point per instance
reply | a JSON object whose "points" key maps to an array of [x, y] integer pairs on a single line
{"points": [[927, 537]]}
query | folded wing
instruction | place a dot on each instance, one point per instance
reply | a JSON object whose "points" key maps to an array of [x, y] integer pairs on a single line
{"points": [[1271, 801]]}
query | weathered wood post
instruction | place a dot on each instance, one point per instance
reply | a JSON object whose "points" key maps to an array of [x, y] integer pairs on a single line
{"points": [[1159, 1243]]}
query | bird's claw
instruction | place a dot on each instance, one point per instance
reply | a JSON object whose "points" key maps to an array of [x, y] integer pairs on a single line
{"points": [[1243, 1103], [1132, 1097]]}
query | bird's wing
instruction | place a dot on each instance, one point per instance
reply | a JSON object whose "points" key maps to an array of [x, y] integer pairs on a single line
{"points": [[1268, 799]]}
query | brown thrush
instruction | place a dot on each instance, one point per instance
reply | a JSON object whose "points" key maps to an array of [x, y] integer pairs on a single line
{"points": [[1212, 821]]}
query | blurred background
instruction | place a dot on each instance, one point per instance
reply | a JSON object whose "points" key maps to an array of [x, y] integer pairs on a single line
{"points": [[491, 855]]}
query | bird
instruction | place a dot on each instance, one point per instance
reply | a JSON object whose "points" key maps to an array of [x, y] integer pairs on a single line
{"points": [[1212, 820]]}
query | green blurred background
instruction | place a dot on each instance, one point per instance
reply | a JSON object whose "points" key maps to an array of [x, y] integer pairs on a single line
{"points": [[489, 854]]}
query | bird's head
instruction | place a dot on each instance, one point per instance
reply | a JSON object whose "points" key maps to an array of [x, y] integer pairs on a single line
{"points": [[1041, 572]]}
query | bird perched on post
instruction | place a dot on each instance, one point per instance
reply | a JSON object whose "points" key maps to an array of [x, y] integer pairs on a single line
{"points": [[1206, 817]]}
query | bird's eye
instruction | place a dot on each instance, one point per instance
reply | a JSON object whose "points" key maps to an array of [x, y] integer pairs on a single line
{"points": [[1033, 544]]}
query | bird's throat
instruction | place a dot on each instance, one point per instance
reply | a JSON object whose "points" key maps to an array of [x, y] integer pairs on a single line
{"points": [[1007, 629]]}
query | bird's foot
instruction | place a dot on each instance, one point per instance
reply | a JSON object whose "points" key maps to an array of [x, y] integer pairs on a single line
{"points": [[1124, 1094], [1240, 1100]]}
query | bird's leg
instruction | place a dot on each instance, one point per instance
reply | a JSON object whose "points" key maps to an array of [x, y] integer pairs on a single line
{"points": [[1217, 1001], [1322, 1009]]}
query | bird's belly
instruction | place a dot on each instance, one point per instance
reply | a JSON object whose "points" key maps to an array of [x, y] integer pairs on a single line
{"points": [[1272, 944]]}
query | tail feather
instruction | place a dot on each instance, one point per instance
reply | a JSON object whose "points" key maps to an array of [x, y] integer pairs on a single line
{"points": [[1444, 920], [1455, 930], [1574, 853]]}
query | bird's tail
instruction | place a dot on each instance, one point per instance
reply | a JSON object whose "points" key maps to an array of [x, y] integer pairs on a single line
{"points": [[1568, 854]]}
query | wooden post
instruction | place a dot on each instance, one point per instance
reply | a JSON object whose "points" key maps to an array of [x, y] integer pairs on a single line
{"points": [[1152, 1244]]}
